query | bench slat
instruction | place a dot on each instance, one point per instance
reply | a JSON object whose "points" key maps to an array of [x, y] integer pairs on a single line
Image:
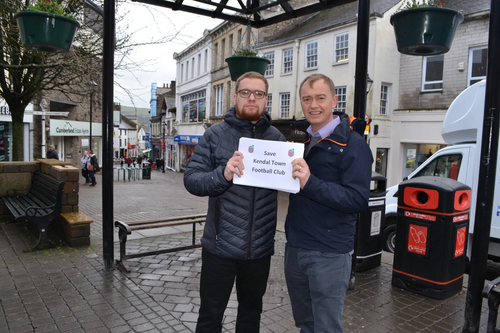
{"points": [[189, 219], [164, 224], [163, 221]]}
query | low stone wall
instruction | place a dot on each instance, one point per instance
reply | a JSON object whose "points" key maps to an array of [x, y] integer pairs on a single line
{"points": [[18, 175]]}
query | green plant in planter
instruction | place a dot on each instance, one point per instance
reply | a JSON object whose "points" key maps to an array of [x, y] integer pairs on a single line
{"points": [[422, 3], [245, 51], [49, 6], [423, 27]]}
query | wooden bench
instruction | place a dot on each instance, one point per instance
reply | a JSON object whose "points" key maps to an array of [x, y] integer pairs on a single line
{"points": [[126, 228], [40, 204]]}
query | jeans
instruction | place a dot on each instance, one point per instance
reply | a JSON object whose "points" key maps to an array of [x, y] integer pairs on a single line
{"points": [[217, 280], [92, 177], [317, 283]]}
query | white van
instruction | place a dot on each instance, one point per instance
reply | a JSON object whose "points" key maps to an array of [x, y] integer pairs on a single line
{"points": [[462, 130]]}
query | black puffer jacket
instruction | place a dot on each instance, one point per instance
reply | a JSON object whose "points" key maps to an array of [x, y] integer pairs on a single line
{"points": [[241, 220]]}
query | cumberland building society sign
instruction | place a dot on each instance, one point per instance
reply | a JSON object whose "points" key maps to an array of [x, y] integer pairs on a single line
{"points": [[74, 128]]}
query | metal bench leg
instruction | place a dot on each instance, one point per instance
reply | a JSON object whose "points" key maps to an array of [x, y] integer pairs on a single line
{"points": [[43, 238], [122, 263], [493, 303]]}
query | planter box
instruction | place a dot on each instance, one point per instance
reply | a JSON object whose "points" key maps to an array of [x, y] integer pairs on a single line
{"points": [[238, 65], [46, 32], [425, 31]]}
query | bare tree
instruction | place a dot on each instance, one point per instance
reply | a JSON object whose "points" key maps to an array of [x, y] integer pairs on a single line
{"points": [[26, 74]]}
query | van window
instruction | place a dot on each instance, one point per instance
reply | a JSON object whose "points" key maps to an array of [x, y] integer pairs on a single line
{"points": [[443, 166]]}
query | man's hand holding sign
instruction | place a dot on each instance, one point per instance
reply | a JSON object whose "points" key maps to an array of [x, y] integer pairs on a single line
{"points": [[269, 164]]}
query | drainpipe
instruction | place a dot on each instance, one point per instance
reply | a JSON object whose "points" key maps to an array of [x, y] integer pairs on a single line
{"points": [[296, 73]]}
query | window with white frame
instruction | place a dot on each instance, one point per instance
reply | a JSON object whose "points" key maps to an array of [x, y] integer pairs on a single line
{"points": [[287, 61], [269, 104], [478, 57], [284, 105], [384, 99], [187, 70], [432, 76], [182, 71], [270, 68], [341, 92], [341, 47], [312, 54], [193, 107], [219, 95]]}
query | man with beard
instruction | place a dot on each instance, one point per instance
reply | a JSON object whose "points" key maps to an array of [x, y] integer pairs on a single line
{"points": [[238, 238]]}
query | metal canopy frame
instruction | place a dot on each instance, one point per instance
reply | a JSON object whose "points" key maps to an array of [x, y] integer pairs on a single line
{"points": [[270, 12], [257, 13]]}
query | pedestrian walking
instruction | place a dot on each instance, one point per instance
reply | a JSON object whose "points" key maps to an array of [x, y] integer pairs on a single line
{"points": [[238, 239], [93, 167], [83, 164], [52, 153], [122, 160], [320, 226], [128, 161]]}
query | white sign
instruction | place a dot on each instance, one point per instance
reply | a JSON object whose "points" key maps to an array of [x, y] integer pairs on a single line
{"points": [[50, 113], [268, 164], [376, 223], [74, 128]]}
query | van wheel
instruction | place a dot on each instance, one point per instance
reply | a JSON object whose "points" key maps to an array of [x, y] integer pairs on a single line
{"points": [[390, 238]]}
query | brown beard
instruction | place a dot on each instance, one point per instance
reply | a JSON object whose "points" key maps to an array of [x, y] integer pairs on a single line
{"points": [[245, 115]]}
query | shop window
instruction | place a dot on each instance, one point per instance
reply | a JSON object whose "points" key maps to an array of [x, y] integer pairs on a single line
{"points": [[381, 161], [193, 107]]}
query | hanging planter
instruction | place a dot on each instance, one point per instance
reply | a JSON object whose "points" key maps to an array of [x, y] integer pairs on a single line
{"points": [[46, 32], [239, 65], [425, 31], [245, 60]]}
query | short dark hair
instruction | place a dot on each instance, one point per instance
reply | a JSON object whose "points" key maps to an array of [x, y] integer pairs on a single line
{"points": [[252, 75], [311, 79]]}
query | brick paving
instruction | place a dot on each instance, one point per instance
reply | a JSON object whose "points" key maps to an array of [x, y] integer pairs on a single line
{"points": [[67, 290]]}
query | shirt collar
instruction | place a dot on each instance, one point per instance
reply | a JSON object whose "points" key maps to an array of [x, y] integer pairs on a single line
{"points": [[326, 130]]}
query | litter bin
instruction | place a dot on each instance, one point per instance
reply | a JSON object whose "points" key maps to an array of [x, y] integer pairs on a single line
{"points": [[146, 170], [369, 232], [431, 236]]}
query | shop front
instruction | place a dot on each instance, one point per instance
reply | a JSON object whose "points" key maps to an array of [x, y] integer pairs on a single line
{"points": [[186, 144], [71, 138], [6, 133]]}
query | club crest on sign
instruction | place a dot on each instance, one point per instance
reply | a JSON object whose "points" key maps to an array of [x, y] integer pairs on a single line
{"points": [[250, 149], [291, 152]]}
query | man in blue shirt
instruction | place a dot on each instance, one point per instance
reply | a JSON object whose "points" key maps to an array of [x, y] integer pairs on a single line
{"points": [[334, 177]]}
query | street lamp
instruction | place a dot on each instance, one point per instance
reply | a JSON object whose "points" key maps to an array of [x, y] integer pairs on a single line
{"points": [[92, 87], [369, 83]]}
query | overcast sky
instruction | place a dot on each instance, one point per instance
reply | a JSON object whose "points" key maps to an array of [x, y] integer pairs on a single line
{"points": [[152, 23]]}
